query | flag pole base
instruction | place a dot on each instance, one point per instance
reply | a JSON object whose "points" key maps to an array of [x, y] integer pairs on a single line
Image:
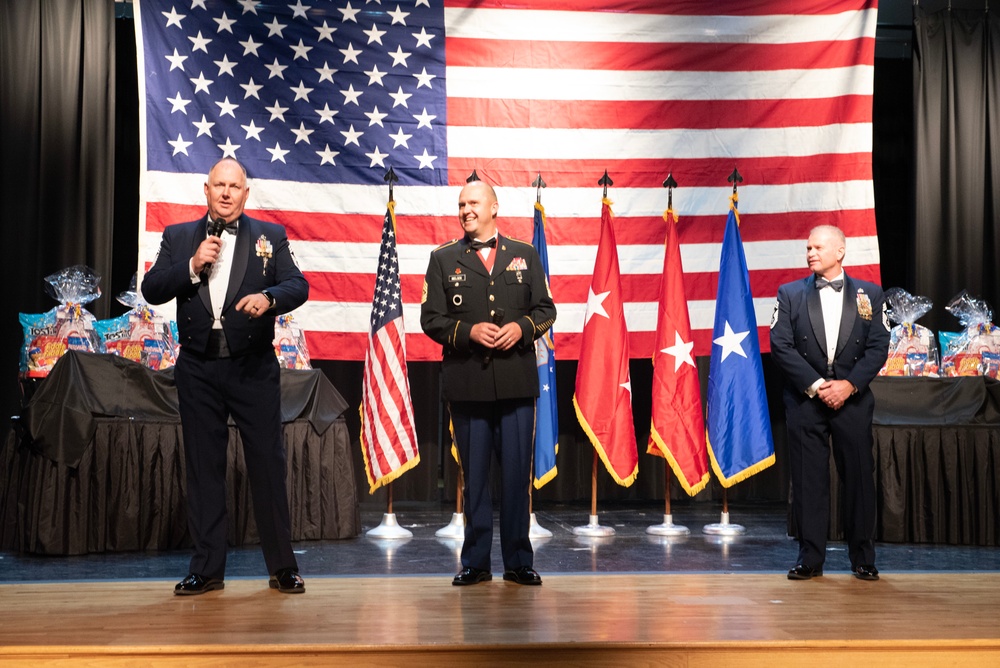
{"points": [[594, 528], [455, 528], [668, 528], [724, 528], [389, 528], [535, 530]]}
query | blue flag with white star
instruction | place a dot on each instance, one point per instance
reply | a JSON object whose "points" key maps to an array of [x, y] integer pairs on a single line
{"points": [[739, 426], [546, 412]]}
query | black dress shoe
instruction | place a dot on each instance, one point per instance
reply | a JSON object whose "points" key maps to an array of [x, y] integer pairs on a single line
{"points": [[471, 576], [865, 572], [287, 581], [524, 575], [194, 584], [803, 572]]}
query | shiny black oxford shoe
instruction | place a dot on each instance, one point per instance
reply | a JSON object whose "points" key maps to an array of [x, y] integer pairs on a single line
{"points": [[525, 575], [803, 572], [194, 584], [287, 581], [471, 576], [865, 572]]}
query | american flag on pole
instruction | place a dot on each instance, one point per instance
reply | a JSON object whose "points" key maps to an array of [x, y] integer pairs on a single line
{"points": [[319, 97], [388, 435]]}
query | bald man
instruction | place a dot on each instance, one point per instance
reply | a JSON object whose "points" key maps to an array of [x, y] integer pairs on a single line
{"points": [[485, 301], [830, 337], [230, 283]]}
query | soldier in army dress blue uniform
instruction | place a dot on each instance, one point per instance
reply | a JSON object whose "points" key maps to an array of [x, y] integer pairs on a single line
{"points": [[486, 300]]}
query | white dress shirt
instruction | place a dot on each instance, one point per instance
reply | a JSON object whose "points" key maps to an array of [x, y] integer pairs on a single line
{"points": [[833, 309], [832, 303], [218, 276]]}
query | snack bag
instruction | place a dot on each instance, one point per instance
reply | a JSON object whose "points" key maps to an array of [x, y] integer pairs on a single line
{"points": [[69, 326], [976, 351], [913, 350], [140, 335], [290, 343]]}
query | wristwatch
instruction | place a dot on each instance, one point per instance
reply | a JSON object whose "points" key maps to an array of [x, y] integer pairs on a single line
{"points": [[270, 299]]}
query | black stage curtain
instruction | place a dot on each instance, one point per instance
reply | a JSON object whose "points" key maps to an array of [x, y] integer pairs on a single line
{"points": [[956, 99], [57, 139]]}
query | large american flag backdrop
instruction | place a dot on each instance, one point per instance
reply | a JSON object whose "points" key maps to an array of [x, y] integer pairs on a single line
{"points": [[318, 100]]}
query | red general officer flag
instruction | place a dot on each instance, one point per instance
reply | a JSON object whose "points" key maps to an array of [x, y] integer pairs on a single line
{"points": [[603, 397], [677, 430]]}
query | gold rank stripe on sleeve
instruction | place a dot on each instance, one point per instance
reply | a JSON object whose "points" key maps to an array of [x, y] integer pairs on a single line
{"points": [[454, 334], [543, 327]]}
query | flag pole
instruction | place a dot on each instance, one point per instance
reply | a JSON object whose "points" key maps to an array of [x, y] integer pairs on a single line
{"points": [[535, 530], [455, 529], [723, 526], [668, 528], [593, 528], [389, 527], [593, 488]]}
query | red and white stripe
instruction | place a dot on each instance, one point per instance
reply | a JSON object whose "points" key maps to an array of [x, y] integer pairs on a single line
{"points": [[388, 432]]}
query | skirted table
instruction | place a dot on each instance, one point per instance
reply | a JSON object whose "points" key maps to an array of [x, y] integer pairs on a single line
{"points": [[937, 461], [96, 463]]}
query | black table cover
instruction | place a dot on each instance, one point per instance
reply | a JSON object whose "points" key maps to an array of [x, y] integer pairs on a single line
{"points": [[97, 463], [937, 460]]}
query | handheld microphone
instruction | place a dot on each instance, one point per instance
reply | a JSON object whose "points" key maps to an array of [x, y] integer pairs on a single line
{"points": [[496, 319], [215, 229]]}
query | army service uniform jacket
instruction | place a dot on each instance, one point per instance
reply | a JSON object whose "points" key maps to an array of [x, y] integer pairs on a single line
{"points": [[459, 292]]}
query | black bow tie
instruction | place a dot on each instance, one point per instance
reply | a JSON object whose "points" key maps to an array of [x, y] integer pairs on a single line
{"points": [[213, 227], [836, 284], [479, 245]]}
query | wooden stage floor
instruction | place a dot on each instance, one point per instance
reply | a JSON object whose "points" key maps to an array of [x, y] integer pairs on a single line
{"points": [[704, 619]]}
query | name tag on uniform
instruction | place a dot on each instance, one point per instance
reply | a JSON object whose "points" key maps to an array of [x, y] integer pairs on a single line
{"points": [[456, 278]]}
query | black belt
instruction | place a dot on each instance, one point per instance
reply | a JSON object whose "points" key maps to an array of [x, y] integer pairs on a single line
{"points": [[217, 347]]}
